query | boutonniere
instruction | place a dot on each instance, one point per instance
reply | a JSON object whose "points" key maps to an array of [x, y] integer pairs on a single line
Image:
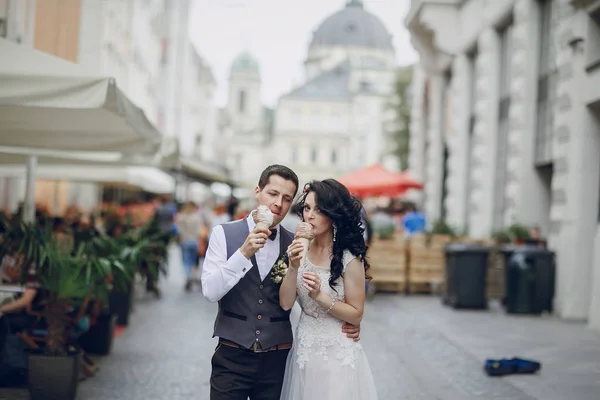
{"points": [[279, 269]]}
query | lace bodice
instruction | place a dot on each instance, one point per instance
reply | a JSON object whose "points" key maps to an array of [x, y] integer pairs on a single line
{"points": [[319, 333]]}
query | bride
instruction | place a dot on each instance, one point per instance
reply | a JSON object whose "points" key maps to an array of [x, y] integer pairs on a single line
{"points": [[324, 364]]}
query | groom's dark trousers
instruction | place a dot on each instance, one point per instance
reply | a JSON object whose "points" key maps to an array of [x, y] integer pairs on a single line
{"points": [[239, 374]]}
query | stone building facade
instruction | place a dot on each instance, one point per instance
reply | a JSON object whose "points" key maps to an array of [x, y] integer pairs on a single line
{"points": [[506, 127]]}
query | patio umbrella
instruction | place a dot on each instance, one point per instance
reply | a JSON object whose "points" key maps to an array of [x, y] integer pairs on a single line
{"points": [[50, 103], [375, 180]]}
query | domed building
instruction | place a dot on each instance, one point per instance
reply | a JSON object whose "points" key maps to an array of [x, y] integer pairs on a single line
{"points": [[333, 122], [351, 33]]}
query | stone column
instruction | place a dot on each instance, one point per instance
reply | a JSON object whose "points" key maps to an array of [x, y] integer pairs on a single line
{"points": [[526, 198], [575, 181], [458, 145], [483, 163], [416, 159], [594, 314], [434, 163]]}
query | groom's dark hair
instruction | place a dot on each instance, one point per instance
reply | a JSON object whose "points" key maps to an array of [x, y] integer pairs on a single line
{"points": [[280, 170]]}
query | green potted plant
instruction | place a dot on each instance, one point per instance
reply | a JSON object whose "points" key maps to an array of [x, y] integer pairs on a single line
{"points": [[519, 233], [441, 227], [141, 250], [501, 237], [99, 338], [68, 277]]}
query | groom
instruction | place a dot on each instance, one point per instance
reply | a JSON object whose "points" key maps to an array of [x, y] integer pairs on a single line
{"points": [[255, 334]]}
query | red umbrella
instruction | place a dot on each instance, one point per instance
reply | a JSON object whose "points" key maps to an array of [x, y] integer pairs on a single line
{"points": [[378, 181]]}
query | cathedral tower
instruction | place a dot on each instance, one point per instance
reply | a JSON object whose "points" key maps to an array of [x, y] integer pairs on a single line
{"points": [[244, 107]]}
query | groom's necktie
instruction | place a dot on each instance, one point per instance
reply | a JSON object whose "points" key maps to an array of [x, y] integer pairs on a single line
{"points": [[273, 234]]}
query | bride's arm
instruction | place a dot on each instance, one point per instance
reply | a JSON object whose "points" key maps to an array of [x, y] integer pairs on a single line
{"points": [[287, 291], [352, 309]]}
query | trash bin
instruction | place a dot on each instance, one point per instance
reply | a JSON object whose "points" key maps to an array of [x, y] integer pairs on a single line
{"points": [[507, 252], [530, 277], [466, 276]]}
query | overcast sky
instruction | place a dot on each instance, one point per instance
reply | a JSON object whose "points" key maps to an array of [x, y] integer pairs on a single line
{"points": [[277, 33]]}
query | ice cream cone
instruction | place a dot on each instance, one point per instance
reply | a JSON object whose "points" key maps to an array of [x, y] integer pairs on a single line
{"points": [[263, 217], [304, 233]]}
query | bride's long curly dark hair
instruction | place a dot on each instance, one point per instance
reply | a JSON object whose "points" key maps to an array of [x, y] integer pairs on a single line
{"points": [[345, 211]]}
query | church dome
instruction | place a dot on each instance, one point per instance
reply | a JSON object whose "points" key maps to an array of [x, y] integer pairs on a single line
{"points": [[245, 62], [353, 27]]}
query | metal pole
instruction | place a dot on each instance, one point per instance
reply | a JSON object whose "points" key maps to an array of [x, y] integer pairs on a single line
{"points": [[29, 209]]}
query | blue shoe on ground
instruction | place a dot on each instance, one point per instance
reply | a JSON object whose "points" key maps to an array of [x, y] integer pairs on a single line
{"points": [[505, 366]]}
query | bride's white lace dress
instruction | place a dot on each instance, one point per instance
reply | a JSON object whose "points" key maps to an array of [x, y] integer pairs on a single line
{"points": [[324, 364]]}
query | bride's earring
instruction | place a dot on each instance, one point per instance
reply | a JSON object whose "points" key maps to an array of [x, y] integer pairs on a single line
{"points": [[334, 232]]}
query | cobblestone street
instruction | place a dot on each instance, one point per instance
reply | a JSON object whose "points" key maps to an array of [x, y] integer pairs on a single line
{"points": [[417, 348]]}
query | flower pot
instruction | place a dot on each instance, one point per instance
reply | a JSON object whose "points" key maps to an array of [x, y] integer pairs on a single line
{"points": [[99, 338], [53, 377], [120, 304]]}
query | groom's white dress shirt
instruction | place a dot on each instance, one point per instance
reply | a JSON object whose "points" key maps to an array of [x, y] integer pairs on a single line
{"points": [[220, 275]]}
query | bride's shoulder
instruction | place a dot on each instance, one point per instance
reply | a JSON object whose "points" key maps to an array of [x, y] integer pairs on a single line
{"points": [[347, 258]]}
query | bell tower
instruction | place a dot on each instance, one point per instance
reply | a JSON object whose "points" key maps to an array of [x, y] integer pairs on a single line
{"points": [[244, 106]]}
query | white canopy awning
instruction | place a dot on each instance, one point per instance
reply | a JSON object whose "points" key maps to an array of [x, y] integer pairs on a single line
{"points": [[203, 172], [165, 156], [50, 103], [150, 179]]}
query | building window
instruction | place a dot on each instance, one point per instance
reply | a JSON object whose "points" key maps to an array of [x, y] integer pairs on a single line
{"points": [[543, 134], [313, 155], [242, 101], [333, 156], [503, 125]]}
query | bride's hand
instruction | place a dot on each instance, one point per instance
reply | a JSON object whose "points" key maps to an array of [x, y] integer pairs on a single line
{"points": [[293, 252], [312, 283]]}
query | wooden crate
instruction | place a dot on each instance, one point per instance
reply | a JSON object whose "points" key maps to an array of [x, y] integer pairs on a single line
{"points": [[426, 263], [387, 258], [496, 276], [426, 266]]}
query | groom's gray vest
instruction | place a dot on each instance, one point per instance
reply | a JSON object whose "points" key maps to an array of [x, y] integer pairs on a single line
{"points": [[250, 312]]}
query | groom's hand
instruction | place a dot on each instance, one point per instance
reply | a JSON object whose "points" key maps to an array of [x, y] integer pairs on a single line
{"points": [[255, 241], [352, 331]]}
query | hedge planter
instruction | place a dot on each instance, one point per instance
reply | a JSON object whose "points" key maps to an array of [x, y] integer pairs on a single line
{"points": [[99, 338], [54, 377]]}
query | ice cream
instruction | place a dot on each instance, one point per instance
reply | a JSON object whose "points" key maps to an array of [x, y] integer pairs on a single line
{"points": [[263, 217], [304, 233]]}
